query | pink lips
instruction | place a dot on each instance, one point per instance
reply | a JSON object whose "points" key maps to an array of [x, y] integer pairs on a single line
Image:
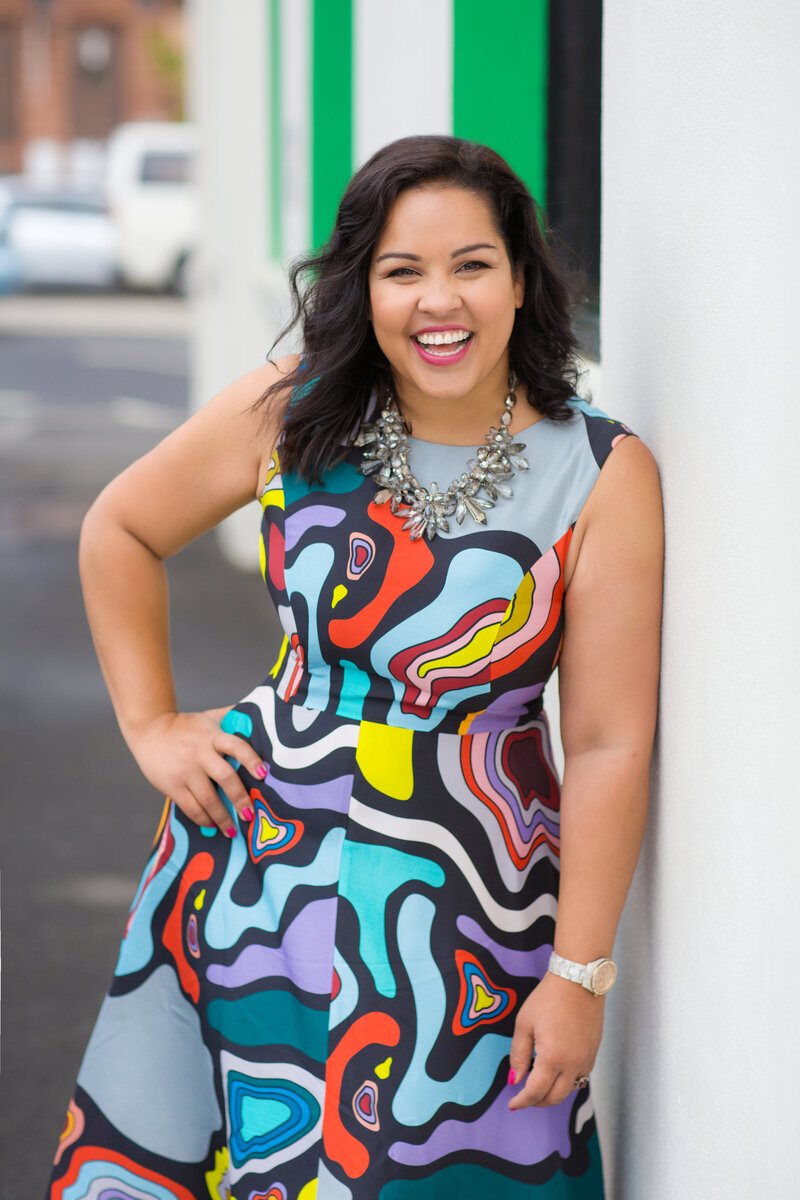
{"points": [[441, 360]]}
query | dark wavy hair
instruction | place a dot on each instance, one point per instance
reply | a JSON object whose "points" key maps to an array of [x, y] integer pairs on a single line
{"points": [[342, 362]]}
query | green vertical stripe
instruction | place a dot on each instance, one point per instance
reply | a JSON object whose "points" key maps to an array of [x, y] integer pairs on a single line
{"points": [[500, 56], [275, 134], [332, 112]]}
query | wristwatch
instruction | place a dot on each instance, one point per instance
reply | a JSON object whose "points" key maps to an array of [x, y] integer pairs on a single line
{"points": [[598, 976]]}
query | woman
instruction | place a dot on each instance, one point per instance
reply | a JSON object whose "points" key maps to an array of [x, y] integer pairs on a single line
{"points": [[337, 978]]}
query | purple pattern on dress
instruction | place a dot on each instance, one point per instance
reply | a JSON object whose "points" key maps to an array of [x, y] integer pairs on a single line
{"points": [[525, 964], [334, 795], [294, 959], [524, 1137], [305, 518], [505, 709]]}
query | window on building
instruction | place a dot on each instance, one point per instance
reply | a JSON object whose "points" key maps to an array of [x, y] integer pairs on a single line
{"points": [[96, 97], [8, 82]]}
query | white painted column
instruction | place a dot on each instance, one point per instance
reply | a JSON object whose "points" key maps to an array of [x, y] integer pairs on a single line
{"points": [[233, 324], [295, 185], [403, 68], [701, 195]]}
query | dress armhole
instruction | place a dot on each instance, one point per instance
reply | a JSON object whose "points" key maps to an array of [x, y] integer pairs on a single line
{"points": [[603, 434]]}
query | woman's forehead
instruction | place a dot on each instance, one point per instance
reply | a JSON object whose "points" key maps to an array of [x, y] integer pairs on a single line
{"points": [[434, 217]]}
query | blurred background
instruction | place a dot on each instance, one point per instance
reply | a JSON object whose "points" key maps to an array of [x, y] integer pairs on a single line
{"points": [[160, 164]]}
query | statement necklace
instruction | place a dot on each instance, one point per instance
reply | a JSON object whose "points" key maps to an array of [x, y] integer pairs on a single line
{"points": [[426, 509]]}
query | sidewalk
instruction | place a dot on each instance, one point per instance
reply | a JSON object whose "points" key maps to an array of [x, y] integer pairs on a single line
{"points": [[113, 313]]}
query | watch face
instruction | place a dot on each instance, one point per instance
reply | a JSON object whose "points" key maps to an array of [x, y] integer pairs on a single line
{"points": [[603, 977]]}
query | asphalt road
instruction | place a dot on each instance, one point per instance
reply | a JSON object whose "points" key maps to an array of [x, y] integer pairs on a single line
{"points": [[86, 386]]}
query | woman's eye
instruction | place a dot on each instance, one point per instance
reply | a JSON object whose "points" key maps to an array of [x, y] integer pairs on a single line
{"points": [[474, 264]]}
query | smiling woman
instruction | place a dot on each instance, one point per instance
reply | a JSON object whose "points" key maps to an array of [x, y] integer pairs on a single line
{"points": [[372, 911], [431, 222]]}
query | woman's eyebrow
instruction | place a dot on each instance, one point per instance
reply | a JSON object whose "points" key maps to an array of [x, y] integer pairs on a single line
{"points": [[455, 254]]}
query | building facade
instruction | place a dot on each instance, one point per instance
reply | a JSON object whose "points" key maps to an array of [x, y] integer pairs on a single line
{"points": [[70, 70]]}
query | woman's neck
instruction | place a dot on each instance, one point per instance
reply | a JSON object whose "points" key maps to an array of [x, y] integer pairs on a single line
{"points": [[463, 420]]}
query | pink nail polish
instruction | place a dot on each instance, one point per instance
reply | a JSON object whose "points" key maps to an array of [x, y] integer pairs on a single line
{"points": [[266, 768], [230, 832], [260, 771], [512, 1077], [247, 814]]}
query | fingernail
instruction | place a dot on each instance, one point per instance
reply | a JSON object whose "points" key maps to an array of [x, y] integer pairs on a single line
{"points": [[230, 832], [266, 768], [247, 814], [260, 771], [512, 1077]]}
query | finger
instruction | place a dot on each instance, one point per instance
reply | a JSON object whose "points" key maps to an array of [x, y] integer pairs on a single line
{"points": [[563, 1085], [243, 752], [540, 1079], [521, 1053], [190, 808], [221, 771], [208, 798]]}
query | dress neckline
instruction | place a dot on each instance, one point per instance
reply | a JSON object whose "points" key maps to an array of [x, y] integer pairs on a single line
{"points": [[519, 433]]}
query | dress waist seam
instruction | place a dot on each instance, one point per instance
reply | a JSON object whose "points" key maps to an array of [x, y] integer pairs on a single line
{"points": [[357, 711]]}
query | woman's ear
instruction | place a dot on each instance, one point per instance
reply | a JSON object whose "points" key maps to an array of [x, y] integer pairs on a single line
{"points": [[519, 288]]}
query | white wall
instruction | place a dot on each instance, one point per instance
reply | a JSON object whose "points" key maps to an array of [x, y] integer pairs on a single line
{"points": [[234, 318], [403, 71], [701, 196]]}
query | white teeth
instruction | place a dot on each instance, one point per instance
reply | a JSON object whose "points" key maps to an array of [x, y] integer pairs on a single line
{"points": [[443, 339]]}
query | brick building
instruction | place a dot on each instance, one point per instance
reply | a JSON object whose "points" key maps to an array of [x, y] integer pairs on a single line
{"points": [[70, 70]]}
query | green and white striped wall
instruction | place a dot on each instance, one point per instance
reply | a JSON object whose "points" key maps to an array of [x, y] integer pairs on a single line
{"points": [[347, 76]]}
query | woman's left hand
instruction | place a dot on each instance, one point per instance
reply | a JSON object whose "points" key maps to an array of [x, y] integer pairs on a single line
{"points": [[564, 1022]]}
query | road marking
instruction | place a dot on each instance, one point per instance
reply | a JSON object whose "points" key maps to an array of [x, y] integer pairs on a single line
{"points": [[145, 414], [126, 316], [94, 890]]}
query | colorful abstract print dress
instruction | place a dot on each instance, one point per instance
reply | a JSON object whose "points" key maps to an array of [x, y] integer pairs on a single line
{"points": [[322, 1007]]}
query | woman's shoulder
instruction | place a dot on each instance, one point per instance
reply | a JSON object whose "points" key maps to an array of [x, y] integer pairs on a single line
{"points": [[269, 373], [625, 480], [594, 458], [600, 431], [247, 392]]}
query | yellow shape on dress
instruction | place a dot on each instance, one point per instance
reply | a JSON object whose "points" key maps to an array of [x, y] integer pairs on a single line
{"points": [[384, 756], [382, 1069]]}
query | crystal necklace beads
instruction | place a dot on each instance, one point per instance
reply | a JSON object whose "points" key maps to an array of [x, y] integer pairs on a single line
{"points": [[425, 510]]}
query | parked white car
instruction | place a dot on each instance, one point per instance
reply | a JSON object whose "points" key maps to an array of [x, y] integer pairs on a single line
{"points": [[153, 200], [56, 234]]}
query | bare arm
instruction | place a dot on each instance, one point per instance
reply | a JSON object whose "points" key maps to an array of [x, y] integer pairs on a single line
{"points": [[609, 688], [210, 466]]}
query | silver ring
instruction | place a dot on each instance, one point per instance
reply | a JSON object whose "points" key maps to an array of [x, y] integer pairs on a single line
{"points": [[581, 1081]]}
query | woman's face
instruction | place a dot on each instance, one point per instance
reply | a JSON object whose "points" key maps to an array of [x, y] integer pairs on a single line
{"points": [[443, 297]]}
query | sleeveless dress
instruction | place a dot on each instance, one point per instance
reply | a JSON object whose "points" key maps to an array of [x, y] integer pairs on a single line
{"points": [[322, 1007]]}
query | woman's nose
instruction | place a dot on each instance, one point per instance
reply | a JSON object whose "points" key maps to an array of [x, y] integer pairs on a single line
{"points": [[440, 295]]}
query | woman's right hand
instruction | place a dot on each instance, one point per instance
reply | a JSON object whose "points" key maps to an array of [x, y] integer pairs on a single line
{"points": [[182, 755]]}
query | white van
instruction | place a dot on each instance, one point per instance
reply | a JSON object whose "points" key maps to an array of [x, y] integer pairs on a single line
{"points": [[153, 200]]}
